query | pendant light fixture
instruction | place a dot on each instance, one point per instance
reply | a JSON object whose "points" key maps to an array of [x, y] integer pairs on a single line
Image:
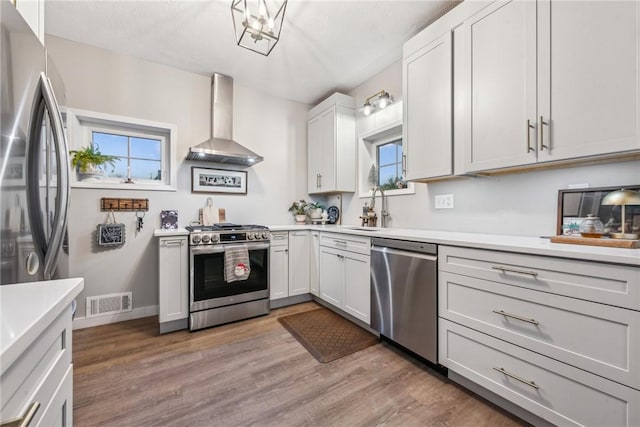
{"points": [[257, 23], [377, 101]]}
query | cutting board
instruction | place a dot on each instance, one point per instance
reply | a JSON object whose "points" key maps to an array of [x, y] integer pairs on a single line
{"points": [[590, 241]]}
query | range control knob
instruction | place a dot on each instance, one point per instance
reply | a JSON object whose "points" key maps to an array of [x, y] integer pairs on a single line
{"points": [[206, 238], [265, 235], [250, 236], [195, 239], [214, 238]]}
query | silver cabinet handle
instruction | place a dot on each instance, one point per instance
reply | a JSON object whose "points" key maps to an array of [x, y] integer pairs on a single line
{"points": [[512, 270], [340, 242], [541, 130], [320, 178], [404, 166], [317, 180], [529, 126], [24, 420], [517, 378], [515, 316], [173, 243]]}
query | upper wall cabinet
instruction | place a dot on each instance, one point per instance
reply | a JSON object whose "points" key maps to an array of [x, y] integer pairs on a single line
{"points": [[426, 90], [547, 81], [332, 146], [33, 13]]}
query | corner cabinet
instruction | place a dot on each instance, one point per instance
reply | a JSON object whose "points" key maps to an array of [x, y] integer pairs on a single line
{"points": [[427, 115], [173, 275], [345, 279], [332, 146], [547, 81]]}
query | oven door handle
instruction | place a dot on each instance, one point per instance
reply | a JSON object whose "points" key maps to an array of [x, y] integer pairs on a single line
{"points": [[214, 249]]}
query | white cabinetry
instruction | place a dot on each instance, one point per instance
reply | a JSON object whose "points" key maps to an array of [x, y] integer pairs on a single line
{"points": [[173, 275], [332, 146], [279, 265], [299, 261], [524, 95], [33, 13], [314, 263], [559, 337], [345, 273], [42, 374], [427, 96]]}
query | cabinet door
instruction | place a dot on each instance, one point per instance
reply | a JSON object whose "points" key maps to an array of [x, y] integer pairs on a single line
{"points": [[314, 153], [332, 277], [498, 86], [357, 286], [589, 81], [299, 259], [278, 272], [174, 279], [427, 140], [328, 170], [59, 410], [314, 264]]}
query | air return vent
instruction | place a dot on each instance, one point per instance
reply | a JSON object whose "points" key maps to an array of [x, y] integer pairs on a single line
{"points": [[108, 304]]}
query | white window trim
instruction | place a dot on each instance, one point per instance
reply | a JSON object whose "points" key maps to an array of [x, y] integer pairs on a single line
{"points": [[80, 124], [367, 144]]}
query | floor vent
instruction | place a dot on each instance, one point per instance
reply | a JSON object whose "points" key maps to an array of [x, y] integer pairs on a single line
{"points": [[109, 304]]}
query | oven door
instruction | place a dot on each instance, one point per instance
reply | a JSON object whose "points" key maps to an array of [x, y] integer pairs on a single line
{"points": [[207, 287]]}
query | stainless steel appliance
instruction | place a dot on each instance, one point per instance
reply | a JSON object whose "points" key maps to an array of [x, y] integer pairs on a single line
{"points": [[34, 165], [404, 297], [212, 300]]}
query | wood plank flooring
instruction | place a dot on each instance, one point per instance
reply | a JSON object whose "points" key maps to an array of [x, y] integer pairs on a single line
{"points": [[255, 373]]}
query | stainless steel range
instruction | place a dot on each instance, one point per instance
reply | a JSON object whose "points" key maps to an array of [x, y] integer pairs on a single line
{"points": [[213, 300]]}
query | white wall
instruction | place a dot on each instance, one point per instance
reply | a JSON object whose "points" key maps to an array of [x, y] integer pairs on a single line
{"points": [[515, 203], [102, 81]]}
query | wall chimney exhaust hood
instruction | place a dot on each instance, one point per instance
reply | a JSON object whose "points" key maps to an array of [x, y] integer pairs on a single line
{"points": [[221, 148]]}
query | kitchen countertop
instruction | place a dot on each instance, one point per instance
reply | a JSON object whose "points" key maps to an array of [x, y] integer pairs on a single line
{"points": [[26, 309], [499, 242], [170, 233]]}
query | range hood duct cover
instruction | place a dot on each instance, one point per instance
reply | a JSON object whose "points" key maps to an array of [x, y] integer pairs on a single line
{"points": [[221, 148]]}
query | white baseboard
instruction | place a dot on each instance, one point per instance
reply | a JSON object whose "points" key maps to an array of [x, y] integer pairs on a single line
{"points": [[136, 313]]}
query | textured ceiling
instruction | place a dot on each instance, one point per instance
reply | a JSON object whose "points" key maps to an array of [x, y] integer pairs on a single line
{"points": [[324, 46]]}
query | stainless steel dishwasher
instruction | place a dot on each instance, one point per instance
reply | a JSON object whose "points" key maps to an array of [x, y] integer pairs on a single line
{"points": [[404, 294]]}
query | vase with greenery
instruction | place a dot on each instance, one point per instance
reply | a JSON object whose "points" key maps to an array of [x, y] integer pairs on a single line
{"points": [[299, 210], [314, 210], [90, 162]]}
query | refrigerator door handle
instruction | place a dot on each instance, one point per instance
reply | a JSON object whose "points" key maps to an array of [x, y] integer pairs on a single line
{"points": [[48, 251], [62, 167]]}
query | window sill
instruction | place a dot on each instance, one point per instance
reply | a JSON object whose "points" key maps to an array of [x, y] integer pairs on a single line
{"points": [[411, 189], [123, 186]]}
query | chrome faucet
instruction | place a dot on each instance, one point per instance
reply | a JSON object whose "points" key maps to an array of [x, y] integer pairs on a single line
{"points": [[383, 212]]}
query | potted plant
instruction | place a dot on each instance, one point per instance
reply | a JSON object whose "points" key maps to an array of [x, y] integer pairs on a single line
{"points": [[315, 210], [89, 162], [299, 209]]}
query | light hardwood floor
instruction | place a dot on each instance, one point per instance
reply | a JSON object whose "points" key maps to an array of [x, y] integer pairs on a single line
{"points": [[255, 373]]}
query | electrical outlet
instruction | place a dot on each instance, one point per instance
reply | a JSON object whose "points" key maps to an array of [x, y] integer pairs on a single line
{"points": [[444, 201]]}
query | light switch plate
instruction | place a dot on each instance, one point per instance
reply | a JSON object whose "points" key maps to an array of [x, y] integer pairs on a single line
{"points": [[444, 201]]}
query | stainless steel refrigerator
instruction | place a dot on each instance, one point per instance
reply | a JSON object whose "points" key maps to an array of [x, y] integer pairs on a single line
{"points": [[34, 162]]}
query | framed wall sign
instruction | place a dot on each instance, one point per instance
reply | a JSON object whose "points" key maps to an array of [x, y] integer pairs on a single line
{"points": [[205, 180], [111, 234]]}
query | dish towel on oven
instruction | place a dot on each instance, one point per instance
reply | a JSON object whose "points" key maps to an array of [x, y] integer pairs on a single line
{"points": [[236, 263]]}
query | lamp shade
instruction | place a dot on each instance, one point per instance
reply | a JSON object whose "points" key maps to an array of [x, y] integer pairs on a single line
{"points": [[621, 197]]}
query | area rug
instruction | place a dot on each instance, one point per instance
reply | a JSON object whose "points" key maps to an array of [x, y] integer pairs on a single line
{"points": [[326, 335]]}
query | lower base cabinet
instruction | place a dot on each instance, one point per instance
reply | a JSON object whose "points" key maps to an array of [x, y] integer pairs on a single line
{"points": [[554, 391], [289, 262], [345, 276], [173, 274]]}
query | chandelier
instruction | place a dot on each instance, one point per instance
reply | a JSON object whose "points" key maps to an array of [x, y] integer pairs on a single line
{"points": [[257, 23]]}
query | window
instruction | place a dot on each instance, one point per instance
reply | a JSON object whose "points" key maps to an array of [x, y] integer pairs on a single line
{"points": [[389, 165], [143, 150]]}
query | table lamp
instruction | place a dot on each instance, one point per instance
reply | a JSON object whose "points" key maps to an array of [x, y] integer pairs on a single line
{"points": [[622, 198]]}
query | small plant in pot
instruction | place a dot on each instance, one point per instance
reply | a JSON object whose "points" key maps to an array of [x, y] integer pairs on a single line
{"points": [[315, 210], [89, 162], [299, 210]]}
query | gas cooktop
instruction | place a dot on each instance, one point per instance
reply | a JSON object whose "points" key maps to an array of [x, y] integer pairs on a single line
{"points": [[226, 233]]}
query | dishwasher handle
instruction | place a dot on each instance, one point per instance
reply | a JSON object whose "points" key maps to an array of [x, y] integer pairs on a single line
{"points": [[399, 252], [404, 245]]}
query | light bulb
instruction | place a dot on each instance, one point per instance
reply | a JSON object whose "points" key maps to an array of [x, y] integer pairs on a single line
{"points": [[383, 103], [256, 25], [367, 109], [270, 24]]}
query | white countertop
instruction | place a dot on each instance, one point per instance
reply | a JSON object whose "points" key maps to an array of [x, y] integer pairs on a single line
{"points": [[26, 309], [170, 233], [499, 242]]}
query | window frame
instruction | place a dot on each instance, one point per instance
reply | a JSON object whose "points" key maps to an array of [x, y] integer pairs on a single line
{"points": [[397, 163], [81, 125]]}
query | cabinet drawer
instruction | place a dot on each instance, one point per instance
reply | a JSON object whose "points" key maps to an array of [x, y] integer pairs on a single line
{"points": [[557, 392], [346, 242], [612, 284], [599, 338], [280, 238], [36, 375]]}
